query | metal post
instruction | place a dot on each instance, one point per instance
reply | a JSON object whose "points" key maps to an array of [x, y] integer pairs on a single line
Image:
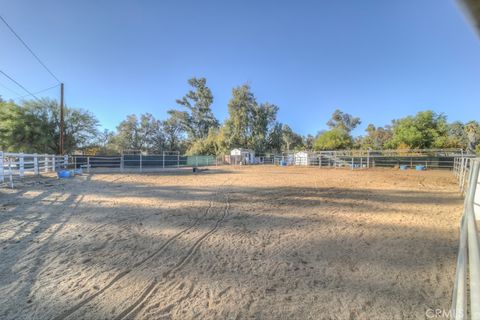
{"points": [[53, 163], [88, 164], [368, 158], [196, 161], [62, 129], [65, 161], [22, 165], [352, 163], [140, 162], [35, 164], [178, 159], [473, 247], [163, 159], [122, 162]]}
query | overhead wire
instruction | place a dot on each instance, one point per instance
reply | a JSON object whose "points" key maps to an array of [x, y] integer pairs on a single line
{"points": [[29, 49], [19, 84]]}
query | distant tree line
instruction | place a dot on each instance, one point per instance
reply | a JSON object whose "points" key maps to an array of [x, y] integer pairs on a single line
{"points": [[33, 126]]}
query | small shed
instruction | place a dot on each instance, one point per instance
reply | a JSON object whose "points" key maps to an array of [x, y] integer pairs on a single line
{"points": [[301, 158], [242, 156]]}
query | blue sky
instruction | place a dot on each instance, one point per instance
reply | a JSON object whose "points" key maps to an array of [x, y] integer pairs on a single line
{"points": [[379, 60]]}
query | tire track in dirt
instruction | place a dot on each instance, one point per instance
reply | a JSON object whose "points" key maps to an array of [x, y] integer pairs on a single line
{"points": [[122, 274], [152, 288]]}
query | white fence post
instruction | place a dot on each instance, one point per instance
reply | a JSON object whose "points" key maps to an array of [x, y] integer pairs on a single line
{"points": [[54, 163], [35, 164], [45, 164], [65, 161], [22, 165], [2, 176], [10, 172]]}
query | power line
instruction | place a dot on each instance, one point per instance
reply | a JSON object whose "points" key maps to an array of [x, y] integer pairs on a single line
{"points": [[28, 48], [41, 91], [18, 84], [9, 89]]}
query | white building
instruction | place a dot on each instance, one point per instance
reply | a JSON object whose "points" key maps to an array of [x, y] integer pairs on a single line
{"points": [[242, 156], [301, 158]]}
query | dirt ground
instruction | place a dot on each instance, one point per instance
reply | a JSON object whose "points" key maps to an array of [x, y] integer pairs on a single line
{"points": [[230, 243]]}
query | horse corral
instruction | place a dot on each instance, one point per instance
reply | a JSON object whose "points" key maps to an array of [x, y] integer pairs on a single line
{"points": [[261, 242]]}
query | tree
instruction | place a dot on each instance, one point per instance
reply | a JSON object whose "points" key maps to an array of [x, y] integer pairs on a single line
{"points": [[238, 125], [376, 138], [343, 121], [333, 139], [174, 131], [275, 138], [263, 119], [199, 118], [291, 140], [144, 134], [426, 129], [35, 127], [308, 141], [249, 124], [472, 129]]}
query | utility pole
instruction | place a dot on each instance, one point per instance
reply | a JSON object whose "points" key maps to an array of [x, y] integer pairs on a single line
{"points": [[62, 138]]}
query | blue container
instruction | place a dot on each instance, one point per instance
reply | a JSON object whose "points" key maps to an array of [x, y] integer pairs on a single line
{"points": [[419, 168], [64, 174], [403, 167]]}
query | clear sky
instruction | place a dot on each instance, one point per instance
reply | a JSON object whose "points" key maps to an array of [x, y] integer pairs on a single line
{"points": [[379, 60]]}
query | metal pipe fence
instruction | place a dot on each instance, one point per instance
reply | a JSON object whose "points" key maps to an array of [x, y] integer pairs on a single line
{"points": [[362, 159], [141, 162], [466, 291]]}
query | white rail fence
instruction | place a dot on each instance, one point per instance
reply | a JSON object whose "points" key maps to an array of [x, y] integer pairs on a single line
{"points": [[466, 292], [15, 166]]}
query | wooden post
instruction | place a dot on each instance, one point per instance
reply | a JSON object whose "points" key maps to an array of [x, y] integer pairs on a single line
{"points": [[62, 129]]}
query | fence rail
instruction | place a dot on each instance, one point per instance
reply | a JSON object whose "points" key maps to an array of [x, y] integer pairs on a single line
{"points": [[466, 292], [140, 162], [15, 166]]}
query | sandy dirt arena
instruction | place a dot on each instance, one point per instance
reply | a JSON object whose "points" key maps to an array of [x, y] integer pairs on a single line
{"points": [[230, 243]]}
